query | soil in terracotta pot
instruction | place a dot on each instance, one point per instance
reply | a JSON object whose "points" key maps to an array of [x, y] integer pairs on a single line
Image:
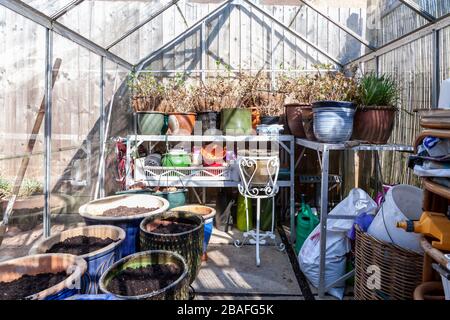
{"points": [[123, 211], [80, 245], [29, 284], [170, 225], [144, 280]]}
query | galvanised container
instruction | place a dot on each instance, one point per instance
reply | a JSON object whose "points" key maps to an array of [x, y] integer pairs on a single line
{"points": [[333, 121]]}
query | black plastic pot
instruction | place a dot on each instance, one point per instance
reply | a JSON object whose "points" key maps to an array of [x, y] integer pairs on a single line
{"points": [[210, 121], [188, 244], [270, 120]]}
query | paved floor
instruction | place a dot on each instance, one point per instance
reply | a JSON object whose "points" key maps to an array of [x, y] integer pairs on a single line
{"points": [[229, 274]]}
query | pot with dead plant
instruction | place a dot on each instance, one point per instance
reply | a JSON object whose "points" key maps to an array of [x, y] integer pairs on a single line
{"points": [[178, 101], [147, 95]]}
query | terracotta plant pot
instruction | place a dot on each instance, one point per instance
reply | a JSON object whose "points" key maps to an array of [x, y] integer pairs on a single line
{"points": [[308, 122], [373, 124], [294, 118], [181, 123], [256, 117]]}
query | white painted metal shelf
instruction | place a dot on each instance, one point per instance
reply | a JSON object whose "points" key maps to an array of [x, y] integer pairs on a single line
{"points": [[286, 145]]}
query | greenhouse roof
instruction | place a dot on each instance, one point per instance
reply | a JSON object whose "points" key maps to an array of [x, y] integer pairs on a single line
{"points": [[54, 15]]}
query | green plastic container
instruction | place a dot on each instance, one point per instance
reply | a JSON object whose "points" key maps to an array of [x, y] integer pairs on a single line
{"points": [[151, 122], [236, 121], [241, 221], [266, 214], [306, 222]]}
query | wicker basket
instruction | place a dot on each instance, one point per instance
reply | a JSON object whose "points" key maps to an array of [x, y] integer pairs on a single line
{"points": [[400, 269]]}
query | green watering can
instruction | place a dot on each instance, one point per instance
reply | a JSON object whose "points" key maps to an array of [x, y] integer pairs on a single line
{"points": [[306, 222]]}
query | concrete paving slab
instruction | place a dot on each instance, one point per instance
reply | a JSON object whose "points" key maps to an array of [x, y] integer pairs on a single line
{"points": [[233, 270], [222, 237]]}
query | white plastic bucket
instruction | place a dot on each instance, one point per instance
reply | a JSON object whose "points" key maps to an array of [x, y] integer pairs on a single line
{"points": [[402, 202]]}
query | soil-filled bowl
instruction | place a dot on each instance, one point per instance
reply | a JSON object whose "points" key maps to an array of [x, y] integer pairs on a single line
{"points": [[149, 275], [41, 277], [207, 213], [100, 246], [181, 232], [115, 210]]}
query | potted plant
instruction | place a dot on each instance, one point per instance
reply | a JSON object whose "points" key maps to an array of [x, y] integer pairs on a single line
{"points": [[298, 111], [334, 107], [147, 96], [374, 118], [178, 102]]}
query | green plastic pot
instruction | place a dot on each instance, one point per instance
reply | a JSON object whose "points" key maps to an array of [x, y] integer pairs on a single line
{"points": [[175, 198], [236, 121], [151, 122]]}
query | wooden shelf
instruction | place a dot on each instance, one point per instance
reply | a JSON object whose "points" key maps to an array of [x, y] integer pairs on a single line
{"points": [[436, 188]]}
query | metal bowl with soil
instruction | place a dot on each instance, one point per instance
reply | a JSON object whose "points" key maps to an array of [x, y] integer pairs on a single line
{"points": [[100, 246], [150, 275], [125, 211], [181, 232], [41, 277]]}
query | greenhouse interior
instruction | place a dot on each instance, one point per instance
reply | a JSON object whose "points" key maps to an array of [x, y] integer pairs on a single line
{"points": [[249, 149]]}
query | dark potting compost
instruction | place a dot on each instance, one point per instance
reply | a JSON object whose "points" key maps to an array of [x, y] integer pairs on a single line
{"points": [[80, 245], [144, 280], [170, 225], [29, 284], [123, 211]]}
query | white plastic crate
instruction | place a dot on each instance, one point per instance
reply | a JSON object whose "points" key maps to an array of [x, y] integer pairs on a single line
{"points": [[191, 173]]}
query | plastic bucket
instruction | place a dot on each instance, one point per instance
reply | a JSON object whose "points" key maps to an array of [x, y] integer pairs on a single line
{"points": [[97, 261], [402, 202]]}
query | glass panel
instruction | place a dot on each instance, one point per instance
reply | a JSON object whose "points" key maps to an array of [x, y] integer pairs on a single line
{"points": [[437, 8], [48, 7], [388, 20], [105, 21], [22, 78], [75, 131], [445, 54]]}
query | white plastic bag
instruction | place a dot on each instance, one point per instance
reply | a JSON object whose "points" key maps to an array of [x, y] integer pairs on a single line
{"points": [[338, 245]]}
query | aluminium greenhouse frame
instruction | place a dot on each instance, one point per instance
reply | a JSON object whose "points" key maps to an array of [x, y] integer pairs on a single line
{"points": [[51, 24]]}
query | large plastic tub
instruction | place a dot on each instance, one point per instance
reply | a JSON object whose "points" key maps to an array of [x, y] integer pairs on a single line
{"points": [[402, 202]]}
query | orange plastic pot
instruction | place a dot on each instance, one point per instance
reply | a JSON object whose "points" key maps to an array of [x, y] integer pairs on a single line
{"points": [[181, 123]]}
